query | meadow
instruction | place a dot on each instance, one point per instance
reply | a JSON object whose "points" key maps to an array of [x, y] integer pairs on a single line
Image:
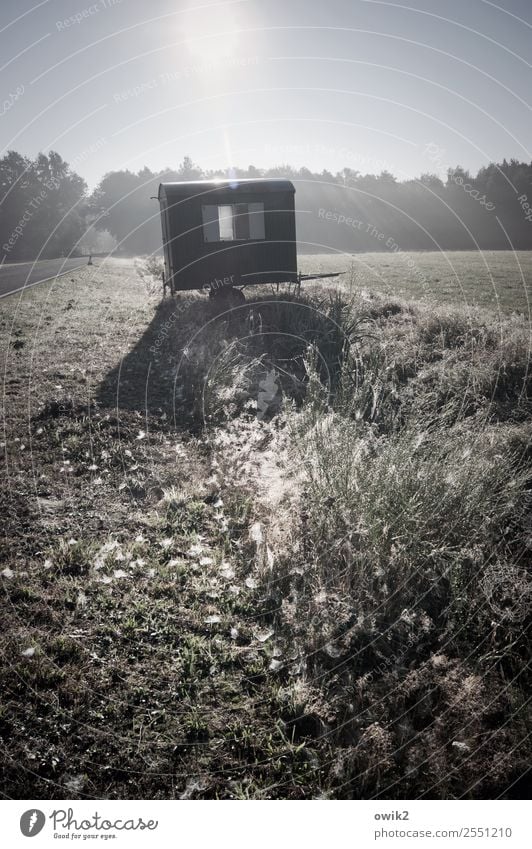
{"points": [[278, 552], [496, 280]]}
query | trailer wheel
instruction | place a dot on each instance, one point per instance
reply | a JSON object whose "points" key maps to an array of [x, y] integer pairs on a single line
{"points": [[228, 297]]}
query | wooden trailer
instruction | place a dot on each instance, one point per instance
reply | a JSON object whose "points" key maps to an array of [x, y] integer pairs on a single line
{"points": [[222, 235]]}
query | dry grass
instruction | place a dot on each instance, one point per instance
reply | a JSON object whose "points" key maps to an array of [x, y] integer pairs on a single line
{"points": [[500, 281], [280, 553]]}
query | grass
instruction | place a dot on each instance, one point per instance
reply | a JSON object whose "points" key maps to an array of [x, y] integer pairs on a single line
{"points": [[496, 280], [279, 553]]}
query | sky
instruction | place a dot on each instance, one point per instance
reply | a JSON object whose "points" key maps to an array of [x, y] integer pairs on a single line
{"points": [[409, 86]]}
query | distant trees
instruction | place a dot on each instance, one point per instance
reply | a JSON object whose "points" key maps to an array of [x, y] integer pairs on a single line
{"points": [[431, 180], [505, 177], [187, 171], [42, 206], [123, 204], [424, 214], [45, 210]]}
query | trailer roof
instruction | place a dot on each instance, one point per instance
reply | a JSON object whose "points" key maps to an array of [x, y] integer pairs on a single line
{"points": [[198, 187]]}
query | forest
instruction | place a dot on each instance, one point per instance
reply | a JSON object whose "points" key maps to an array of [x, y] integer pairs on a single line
{"points": [[47, 211]]}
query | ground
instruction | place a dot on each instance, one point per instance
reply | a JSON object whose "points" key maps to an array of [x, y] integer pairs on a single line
{"points": [[494, 279], [191, 610]]}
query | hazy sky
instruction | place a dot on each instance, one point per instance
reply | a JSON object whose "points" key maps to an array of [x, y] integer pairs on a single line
{"points": [[323, 83]]}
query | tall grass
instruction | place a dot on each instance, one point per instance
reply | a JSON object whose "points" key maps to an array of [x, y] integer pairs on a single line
{"points": [[410, 582], [410, 524], [222, 369]]}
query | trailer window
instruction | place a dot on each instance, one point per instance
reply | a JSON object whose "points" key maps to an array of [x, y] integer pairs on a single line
{"points": [[234, 222], [225, 223]]}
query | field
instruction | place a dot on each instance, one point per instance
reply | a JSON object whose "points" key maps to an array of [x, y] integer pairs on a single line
{"points": [[497, 280], [281, 552]]}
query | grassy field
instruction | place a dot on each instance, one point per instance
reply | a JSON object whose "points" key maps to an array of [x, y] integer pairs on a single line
{"points": [[276, 553], [497, 280]]}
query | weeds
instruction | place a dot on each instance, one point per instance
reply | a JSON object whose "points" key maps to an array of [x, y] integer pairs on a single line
{"points": [[298, 569], [416, 533], [150, 271]]}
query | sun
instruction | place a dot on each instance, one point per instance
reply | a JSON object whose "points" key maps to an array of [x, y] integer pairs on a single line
{"points": [[210, 31]]}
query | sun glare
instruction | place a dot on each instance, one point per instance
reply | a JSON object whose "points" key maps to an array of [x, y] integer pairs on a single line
{"points": [[210, 32]]}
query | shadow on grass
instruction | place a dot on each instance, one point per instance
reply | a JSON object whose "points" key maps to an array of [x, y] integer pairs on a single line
{"points": [[143, 381], [197, 359]]}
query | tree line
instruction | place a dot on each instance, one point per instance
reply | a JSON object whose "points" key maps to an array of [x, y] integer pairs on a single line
{"points": [[46, 210], [43, 207]]}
